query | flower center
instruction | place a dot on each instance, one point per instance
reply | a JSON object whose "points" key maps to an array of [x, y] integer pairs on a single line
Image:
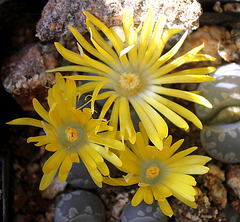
{"points": [[152, 172], [130, 83], [71, 134]]}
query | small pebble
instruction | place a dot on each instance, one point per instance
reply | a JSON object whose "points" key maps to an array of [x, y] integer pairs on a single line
{"points": [[233, 179], [217, 191]]}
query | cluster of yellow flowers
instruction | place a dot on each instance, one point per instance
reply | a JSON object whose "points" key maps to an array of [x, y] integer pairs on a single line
{"points": [[132, 72]]}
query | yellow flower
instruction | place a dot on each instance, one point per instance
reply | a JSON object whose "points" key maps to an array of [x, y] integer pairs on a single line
{"points": [[70, 134], [133, 72], [160, 174]]}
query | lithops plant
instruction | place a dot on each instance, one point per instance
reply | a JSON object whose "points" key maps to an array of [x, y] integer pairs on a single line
{"points": [[79, 205], [220, 136], [143, 212]]}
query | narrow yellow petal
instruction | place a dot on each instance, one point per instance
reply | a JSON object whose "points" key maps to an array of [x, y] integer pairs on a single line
{"points": [[87, 87], [115, 144], [96, 176], [64, 169], [180, 155], [100, 40], [103, 168], [58, 114], [191, 169], [150, 128], [167, 142], [165, 207], [88, 160], [131, 156], [121, 45], [114, 119], [70, 94], [129, 165], [160, 46], [54, 161], [195, 71], [145, 34], [125, 120], [169, 151], [26, 121], [77, 68], [182, 79], [144, 134], [182, 111], [168, 113], [74, 157], [138, 197], [60, 82], [110, 156], [57, 93], [85, 44], [148, 195], [155, 41], [158, 122], [139, 148], [106, 70], [41, 140], [70, 56], [185, 201], [120, 181], [182, 94], [52, 147], [190, 56], [108, 104], [161, 192], [183, 178], [192, 159], [105, 30], [130, 37], [47, 179], [107, 58], [40, 110], [95, 93], [182, 189], [93, 153]]}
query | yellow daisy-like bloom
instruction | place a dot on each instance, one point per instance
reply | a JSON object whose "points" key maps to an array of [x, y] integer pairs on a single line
{"points": [[133, 72], [160, 174], [70, 134]]}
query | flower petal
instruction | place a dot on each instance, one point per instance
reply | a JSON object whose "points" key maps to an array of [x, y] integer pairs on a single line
{"points": [[150, 128], [47, 179], [168, 113], [145, 34], [138, 197], [54, 161], [165, 207], [110, 156], [40, 110], [125, 120], [65, 168], [182, 94], [148, 195], [70, 56], [41, 140], [26, 121]]}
